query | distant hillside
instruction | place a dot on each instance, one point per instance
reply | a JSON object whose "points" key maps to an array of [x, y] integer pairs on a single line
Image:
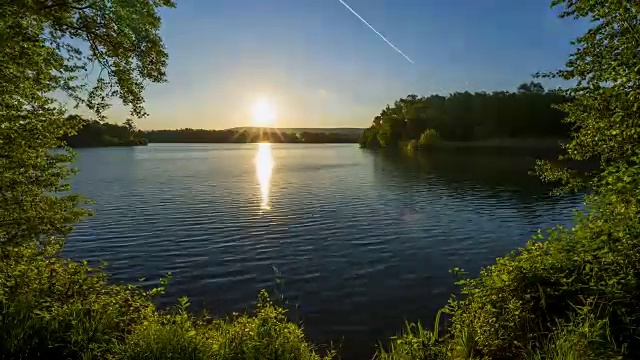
{"points": [[342, 131], [256, 134]]}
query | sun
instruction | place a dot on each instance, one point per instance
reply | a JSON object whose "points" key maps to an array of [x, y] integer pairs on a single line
{"points": [[264, 112]]}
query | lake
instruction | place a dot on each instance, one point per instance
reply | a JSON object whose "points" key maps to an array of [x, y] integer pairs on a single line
{"points": [[356, 241]]}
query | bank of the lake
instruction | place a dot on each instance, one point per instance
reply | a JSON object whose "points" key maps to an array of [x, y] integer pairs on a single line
{"points": [[110, 143], [359, 239], [255, 135], [94, 133]]}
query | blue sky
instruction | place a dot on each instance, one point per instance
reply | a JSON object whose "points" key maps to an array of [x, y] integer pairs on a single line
{"points": [[322, 67]]}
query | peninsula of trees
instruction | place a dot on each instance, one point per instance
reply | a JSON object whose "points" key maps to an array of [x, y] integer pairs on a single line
{"points": [[528, 113], [94, 133]]}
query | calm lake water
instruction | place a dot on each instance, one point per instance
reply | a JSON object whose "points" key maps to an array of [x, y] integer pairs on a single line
{"points": [[361, 241]]}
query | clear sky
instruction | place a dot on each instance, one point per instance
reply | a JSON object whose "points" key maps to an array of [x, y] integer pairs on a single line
{"points": [[320, 66]]}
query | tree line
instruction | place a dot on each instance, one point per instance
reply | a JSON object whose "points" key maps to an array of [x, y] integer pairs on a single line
{"points": [[529, 112], [244, 136], [95, 133]]}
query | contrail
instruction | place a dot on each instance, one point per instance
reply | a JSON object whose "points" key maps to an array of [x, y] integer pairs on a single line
{"points": [[376, 31]]}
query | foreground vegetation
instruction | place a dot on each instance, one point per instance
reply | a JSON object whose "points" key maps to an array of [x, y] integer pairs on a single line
{"points": [[52, 308], [568, 294]]}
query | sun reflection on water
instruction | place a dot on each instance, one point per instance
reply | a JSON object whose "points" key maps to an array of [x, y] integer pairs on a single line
{"points": [[264, 169]]}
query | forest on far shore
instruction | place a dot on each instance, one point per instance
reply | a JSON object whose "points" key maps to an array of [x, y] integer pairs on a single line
{"points": [[528, 113], [94, 133], [249, 135]]}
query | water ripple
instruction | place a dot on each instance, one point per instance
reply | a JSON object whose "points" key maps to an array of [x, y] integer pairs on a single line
{"points": [[359, 240]]}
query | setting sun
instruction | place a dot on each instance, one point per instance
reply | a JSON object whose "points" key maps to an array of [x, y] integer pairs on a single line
{"points": [[264, 112]]}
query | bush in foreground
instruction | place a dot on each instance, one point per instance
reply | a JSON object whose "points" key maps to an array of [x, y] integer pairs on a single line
{"points": [[267, 335], [55, 308], [574, 293], [571, 296]]}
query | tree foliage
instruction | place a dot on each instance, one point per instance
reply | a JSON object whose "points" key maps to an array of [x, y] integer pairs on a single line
{"points": [[572, 293], [605, 113], [428, 138], [55, 308], [465, 116], [86, 51]]}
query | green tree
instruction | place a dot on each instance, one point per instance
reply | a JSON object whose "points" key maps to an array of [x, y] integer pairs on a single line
{"points": [[131, 127], [572, 294], [428, 138], [605, 111], [88, 51], [528, 112], [531, 87]]}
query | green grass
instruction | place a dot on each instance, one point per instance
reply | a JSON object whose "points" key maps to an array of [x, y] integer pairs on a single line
{"points": [[53, 308], [415, 342], [585, 336]]}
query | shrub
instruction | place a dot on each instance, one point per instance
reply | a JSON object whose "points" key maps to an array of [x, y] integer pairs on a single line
{"points": [[56, 308], [525, 305], [415, 343], [584, 337], [528, 292], [574, 293], [267, 335], [428, 138], [541, 300], [411, 146]]}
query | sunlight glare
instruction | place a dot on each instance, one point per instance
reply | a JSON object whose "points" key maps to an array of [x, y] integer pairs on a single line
{"points": [[264, 169], [264, 112]]}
